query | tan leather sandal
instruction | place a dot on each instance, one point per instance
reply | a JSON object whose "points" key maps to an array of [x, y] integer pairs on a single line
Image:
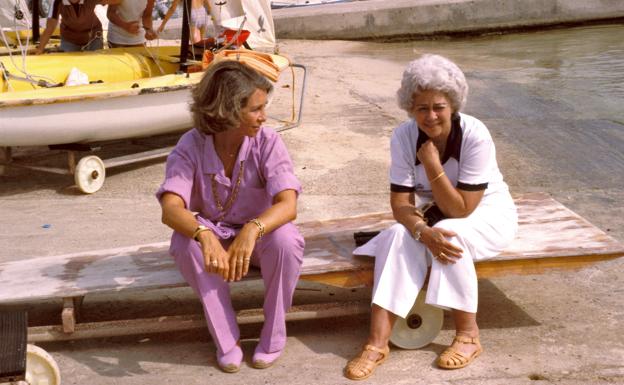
{"points": [[452, 358], [361, 367]]}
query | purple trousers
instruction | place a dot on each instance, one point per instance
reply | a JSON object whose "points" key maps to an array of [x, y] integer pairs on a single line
{"points": [[279, 255]]}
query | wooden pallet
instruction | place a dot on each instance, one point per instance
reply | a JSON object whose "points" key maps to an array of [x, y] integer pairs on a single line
{"points": [[550, 237]]}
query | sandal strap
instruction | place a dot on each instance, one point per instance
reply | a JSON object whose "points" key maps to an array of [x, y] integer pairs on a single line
{"points": [[467, 340], [362, 367], [383, 352], [451, 352]]}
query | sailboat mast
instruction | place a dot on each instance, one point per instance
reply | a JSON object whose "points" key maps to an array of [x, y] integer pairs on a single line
{"points": [[184, 43], [35, 20]]}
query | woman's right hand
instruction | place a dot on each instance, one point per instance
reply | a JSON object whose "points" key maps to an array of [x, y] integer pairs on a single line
{"points": [[441, 249], [428, 153], [216, 259]]}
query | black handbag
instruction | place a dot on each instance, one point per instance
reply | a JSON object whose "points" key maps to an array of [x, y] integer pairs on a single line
{"points": [[361, 237], [432, 214]]}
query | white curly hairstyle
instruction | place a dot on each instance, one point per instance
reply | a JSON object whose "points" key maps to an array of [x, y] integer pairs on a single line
{"points": [[432, 72]]}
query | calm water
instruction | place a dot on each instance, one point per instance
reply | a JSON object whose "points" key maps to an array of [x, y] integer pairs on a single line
{"points": [[580, 68]]}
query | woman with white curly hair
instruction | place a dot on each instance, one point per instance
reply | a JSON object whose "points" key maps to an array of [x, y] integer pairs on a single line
{"points": [[447, 159]]}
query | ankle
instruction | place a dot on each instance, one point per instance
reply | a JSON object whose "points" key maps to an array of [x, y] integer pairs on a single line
{"points": [[470, 333], [380, 343]]}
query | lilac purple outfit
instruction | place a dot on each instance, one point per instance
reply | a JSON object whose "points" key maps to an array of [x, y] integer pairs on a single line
{"points": [[268, 170]]}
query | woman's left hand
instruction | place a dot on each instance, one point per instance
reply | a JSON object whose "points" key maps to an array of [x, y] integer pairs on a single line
{"points": [[240, 252], [441, 249]]}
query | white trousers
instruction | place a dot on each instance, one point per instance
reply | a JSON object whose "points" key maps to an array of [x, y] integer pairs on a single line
{"points": [[401, 262]]}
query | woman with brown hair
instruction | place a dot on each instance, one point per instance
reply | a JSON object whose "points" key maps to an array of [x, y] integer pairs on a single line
{"points": [[230, 195]]}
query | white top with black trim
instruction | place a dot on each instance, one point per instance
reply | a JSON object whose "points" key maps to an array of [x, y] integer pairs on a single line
{"points": [[469, 159]]}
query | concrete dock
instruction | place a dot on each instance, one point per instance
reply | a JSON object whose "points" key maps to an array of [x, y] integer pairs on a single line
{"points": [[382, 19]]}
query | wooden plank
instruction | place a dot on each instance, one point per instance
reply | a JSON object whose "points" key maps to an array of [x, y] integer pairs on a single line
{"points": [[344, 279], [549, 229], [497, 268], [550, 236], [68, 316], [188, 322], [78, 274]]}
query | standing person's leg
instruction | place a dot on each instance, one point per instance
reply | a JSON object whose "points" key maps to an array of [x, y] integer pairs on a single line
{"points": [[279, 255], [214, 294]]}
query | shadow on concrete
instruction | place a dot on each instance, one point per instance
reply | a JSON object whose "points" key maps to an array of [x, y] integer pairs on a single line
{"points": [[18, 179], [340, 337], [497, 311]]}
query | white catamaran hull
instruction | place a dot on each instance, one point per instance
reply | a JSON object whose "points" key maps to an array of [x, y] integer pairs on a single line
{"points": [[93, 120]]}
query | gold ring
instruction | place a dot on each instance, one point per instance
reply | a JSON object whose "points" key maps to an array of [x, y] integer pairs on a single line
{"points": [[441, 255], [214, 263]]}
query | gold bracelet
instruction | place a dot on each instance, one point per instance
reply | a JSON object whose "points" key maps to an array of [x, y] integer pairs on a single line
{"points": [[199, 229], [437, 177], [417, 230], [257, 222]]}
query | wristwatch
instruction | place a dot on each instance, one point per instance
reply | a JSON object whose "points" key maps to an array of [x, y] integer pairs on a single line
{"points": [[198, 230]]}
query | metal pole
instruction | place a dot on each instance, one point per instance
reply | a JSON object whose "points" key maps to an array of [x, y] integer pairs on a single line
{"points": [[184, 43], [35, 20]]}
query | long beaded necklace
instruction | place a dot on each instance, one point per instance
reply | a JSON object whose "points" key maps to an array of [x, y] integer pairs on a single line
{"points": [[232, 197]]}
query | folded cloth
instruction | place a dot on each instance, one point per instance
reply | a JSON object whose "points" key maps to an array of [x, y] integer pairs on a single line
{"points": [[259, 61]]}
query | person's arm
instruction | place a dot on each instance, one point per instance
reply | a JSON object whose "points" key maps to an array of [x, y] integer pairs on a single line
{"points": [[129, 26], [150, 34], [168, 15], [434, 238], [283, 210], [207, 7], [453, 202], [51, 25], [179, 218]]}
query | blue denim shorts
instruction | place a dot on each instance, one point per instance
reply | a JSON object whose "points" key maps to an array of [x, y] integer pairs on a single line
{"points": [[95, 44]]}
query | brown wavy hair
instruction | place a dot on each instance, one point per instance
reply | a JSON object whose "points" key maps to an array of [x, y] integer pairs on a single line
{"points": [[222, 93]]}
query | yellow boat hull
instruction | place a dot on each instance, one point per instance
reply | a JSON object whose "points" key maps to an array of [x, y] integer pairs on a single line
{"points": [[134, 92], [103, 66]]}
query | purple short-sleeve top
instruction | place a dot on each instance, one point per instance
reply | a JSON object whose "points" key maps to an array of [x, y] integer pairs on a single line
{"points": [[193, 164]]}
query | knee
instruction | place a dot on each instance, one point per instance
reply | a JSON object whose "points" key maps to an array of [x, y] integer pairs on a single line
{"points": [[398, 243], [457, 226], [400, 237], [398, 231], [183, 246], [286, 240]]}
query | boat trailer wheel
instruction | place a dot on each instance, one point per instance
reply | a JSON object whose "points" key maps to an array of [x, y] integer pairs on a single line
{"points": [[41, 369], [89, 174], [420, 327]]}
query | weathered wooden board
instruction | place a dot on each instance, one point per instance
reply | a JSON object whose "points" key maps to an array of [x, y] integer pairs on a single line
{"points": [[550, 236]]}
